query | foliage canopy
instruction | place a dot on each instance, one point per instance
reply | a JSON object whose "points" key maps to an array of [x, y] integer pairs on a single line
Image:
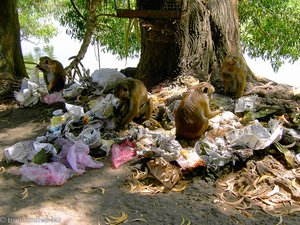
{"points": [[269, 28], [37, 18]]}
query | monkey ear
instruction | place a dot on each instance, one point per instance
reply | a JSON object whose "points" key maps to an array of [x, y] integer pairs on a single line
{"points": [[205, 90]]}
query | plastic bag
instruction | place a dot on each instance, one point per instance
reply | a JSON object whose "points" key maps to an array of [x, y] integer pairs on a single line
{"points": [[89, 135], [74, 110], [122, 153], [53, 173], [106, 76], [28, 95], [52, 98], [24, 151], [75, 155]]}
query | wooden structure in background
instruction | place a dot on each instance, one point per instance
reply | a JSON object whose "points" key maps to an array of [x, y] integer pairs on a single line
{"points": [[156, 9]]}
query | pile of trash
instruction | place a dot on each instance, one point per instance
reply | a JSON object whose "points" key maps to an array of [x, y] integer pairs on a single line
{"points": [[86, 128]]}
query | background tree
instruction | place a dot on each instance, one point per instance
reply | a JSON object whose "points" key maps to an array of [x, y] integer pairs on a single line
{"points": [[37, 19], [270, 29], [115, 35], [209, 29], [198, 42], [195, 45]]}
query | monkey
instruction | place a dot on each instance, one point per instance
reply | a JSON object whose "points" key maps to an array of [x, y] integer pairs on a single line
{"points": [[134, 102], [193, 113], [54, 73], [234, 74]]}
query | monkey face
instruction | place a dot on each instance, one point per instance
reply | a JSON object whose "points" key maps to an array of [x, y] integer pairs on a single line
{"points": [[122, 91], [44, 64], [205, 87]]}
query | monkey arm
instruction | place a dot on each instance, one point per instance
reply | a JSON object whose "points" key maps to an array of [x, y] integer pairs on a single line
{"points": [[207, 112], [146, 110], [132, 113]]}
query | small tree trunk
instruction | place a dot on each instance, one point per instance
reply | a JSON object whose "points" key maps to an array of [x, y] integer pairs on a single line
{"points": [[90, 27]]}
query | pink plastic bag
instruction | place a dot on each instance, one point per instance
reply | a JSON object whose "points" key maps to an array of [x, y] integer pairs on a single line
{"points": [[122, 153], [52, 98], [53, 173], [75, 155]]}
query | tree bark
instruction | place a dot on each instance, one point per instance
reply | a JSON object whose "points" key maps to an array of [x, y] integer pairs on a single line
{"points": [[12, 65], [195, 44]]}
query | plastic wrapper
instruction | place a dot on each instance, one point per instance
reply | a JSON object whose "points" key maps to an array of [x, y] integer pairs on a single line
{"points": [[164, 171], [34, 76], [155, 143], [106, 145], [169, 148], [89, 135], [28, 95], [73, 91], [31, 89], [122, 153], [227, 143], [57, 120], [75, 155], [103, 107], [139, 133], [24, 151], [52, 98], [245, 103], [190, 159], [255, 136], [171, 108], [215, 152], [53, 173], [74, 110]]}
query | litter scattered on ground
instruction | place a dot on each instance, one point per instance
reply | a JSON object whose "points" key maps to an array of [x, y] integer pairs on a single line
{"points": [[84, 128]]}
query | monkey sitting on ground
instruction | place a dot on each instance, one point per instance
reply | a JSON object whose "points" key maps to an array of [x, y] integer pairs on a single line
{"points": [[54, 73], [234, 75], [193, 113], [134, 102]]}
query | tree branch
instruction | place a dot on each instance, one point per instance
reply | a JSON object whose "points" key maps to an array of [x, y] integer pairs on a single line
{"points": [[77, 11], [90, 27]]}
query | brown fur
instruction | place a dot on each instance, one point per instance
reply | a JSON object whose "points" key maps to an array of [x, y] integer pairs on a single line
{"points": [[54, 73], [193, 112], [134, 101], [234, 75]]}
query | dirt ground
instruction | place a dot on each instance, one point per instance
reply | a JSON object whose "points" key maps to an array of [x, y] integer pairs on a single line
{"points": [[100, 193]]}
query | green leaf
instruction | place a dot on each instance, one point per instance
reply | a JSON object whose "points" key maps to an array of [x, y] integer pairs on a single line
{"points": [[40, 157]]}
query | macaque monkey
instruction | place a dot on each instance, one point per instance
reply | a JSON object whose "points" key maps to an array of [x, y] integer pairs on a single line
{"points": [[234, 75], [54, 73], [193, 113], [134, 102]]}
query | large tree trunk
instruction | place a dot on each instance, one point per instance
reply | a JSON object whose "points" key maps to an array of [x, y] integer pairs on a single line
{"points": [[196, 44], [11, 59]]}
